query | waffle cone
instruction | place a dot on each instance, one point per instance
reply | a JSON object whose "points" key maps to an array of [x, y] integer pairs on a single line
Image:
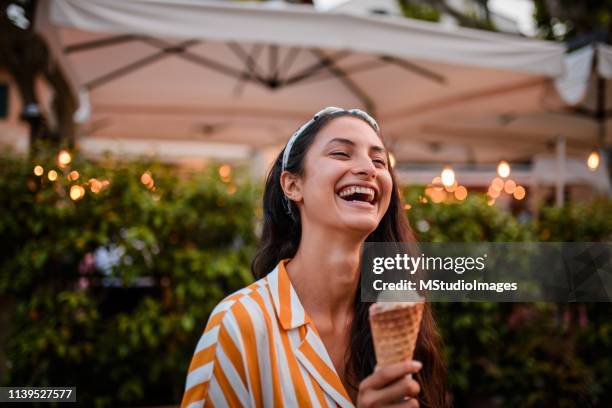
{"points": [[395, 328]]}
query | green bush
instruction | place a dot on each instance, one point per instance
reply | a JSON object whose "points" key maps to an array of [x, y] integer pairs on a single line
{"points": [[123, 334], [470, 221], [577, 222], [511, 354]]}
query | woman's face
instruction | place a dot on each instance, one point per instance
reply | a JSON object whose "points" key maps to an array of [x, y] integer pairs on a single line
{"points": [[346, 182]]}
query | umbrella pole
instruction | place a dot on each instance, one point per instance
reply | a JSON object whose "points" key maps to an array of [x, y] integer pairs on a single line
{"points": [[560, 187]]}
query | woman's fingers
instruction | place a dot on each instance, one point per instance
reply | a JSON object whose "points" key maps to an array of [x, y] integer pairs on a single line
{"points": [[390, 385], [397, 391], [411, 403], [404, 387], [387, 374]]}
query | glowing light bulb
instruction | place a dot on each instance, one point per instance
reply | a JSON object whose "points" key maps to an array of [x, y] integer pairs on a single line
{"points": [[146, 178], [95, 185], [509, 186], [38, 170], [438, 196], [497, 184], [52, 175], [448, 176], [503, 169], [461, 193], [519, 192], [76, 192], [225, 171], [63, 158], [593, 160]]}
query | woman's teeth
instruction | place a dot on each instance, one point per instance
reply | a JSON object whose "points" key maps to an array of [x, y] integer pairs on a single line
{"points": [[366, 191]]}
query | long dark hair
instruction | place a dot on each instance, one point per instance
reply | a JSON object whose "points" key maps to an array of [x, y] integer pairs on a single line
{"points": [[281, 238]]}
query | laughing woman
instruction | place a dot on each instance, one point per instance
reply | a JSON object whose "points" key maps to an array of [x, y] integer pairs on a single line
{"points": [[299, 336]]}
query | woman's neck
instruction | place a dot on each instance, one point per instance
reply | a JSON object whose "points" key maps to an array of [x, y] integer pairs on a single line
{"points": [[325, 274]]}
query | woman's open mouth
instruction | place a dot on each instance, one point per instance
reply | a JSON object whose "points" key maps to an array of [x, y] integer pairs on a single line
{"points": [[358, 195]]}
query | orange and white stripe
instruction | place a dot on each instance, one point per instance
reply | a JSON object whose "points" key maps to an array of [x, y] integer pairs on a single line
{"points": [[260, 349]]}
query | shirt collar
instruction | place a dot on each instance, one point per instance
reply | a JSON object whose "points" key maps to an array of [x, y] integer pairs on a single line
{"points": [[289, 309]]}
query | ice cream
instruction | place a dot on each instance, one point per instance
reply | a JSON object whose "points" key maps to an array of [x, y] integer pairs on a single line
{"points": [[395, 328]]}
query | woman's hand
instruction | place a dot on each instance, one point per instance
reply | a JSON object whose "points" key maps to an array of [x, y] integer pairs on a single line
{"points": [[390, 386]]}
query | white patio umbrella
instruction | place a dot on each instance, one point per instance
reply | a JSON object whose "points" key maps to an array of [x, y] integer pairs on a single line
{"points": [[581, 119], [250, 74], [574, 128]]}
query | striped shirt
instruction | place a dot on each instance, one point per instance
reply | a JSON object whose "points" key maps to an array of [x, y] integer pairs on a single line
{"points": [[260, 349]]}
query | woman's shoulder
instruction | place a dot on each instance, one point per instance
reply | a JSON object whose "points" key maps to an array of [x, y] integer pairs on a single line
{"points": [[228, 336], [246, 306]]}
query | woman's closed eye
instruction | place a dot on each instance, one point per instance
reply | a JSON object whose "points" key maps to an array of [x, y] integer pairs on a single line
{"points": [[381, 162], [377, 161], [340, 154]]}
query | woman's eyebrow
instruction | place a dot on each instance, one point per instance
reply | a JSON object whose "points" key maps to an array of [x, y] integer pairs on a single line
{"points": [[377, 149]]}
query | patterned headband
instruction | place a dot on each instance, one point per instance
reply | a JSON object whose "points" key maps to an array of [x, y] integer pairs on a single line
{"points": [[323, 112]]}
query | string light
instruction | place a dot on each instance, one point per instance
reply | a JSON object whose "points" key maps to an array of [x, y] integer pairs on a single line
{"points": [[445, 186], [461, 193], [146, 177], [95, 185], [76, 192], [447, 176], [437, 196], [63, 158], [497, 184], [38, 170], [52, 175], [74, 175], [593, 160], [519, 192], [503, 169], [225, 172], [509, 186], [147, 180]]}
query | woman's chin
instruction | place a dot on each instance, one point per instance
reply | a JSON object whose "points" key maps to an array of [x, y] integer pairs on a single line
{"points": [[359, 224]]}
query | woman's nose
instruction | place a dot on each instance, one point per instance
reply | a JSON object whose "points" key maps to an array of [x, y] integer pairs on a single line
{"points": [[364, 167]]}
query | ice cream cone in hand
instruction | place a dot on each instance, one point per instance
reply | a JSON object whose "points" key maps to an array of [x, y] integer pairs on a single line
{"points": [[395, 328]]}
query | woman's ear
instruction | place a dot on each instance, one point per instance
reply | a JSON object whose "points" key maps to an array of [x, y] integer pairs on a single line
{"points": [[291, 185]]}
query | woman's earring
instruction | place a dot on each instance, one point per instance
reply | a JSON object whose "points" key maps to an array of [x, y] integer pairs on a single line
{"points": [[287, 203], [290, 213]]}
